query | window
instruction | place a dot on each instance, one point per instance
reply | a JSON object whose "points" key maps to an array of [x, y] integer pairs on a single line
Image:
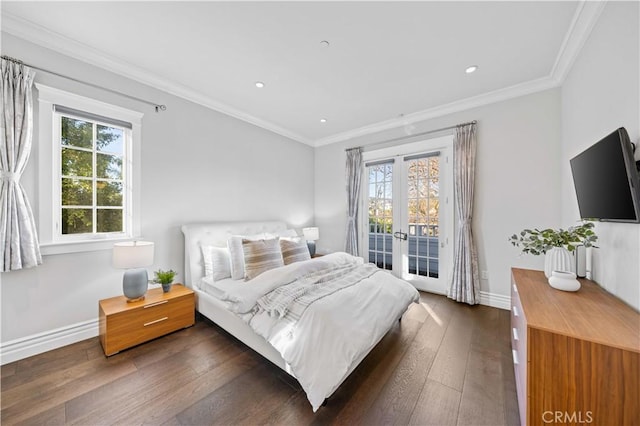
{"points": [[88, 172], [92, 178]]}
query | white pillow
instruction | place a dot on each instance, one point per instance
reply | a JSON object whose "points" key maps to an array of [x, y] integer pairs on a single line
{"points": [[234, 243], [289, 233], [216, 262]]}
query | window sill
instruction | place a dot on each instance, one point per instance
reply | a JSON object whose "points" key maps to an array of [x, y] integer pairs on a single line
{"points": [[48, 249]]}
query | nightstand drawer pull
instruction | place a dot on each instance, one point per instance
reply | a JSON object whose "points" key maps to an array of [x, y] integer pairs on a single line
{"points": [[515, 334], [158, 320], [155, 304], [515, 311], [515, 357]]}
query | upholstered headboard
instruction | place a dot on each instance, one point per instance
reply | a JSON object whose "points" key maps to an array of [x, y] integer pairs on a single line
{"points": [[215, 233]]}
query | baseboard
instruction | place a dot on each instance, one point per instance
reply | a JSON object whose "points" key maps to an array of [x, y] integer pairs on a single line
{"points": [[495, 300], [25, 347]]}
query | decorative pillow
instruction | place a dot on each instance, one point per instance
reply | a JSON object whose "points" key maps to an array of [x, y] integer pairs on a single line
{"points": [[260, 256], [294, 250], [216, 262], [234, 243]]}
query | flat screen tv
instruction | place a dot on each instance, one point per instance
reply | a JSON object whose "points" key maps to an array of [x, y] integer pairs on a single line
{"points": [[606, 180]]}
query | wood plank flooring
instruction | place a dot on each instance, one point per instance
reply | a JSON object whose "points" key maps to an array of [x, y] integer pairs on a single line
{"points": [[445, 364]]}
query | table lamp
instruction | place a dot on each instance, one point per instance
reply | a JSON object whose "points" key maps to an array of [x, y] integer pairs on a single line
{"points": [[311, 235], [133, 256]]}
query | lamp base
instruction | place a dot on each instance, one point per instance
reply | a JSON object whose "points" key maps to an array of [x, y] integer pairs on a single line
{"points": [[134, 284], [135, 300], [312, 247]]}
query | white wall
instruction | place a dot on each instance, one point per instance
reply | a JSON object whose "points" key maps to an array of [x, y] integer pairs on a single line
{"points": [[197, 165], [600, 94], [517, 180]]}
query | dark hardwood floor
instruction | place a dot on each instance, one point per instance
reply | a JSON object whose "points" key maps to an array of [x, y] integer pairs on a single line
{"points": [[444, 364]]}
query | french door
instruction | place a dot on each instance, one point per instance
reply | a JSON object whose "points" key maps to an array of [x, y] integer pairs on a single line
{"points": [[408, 214]]}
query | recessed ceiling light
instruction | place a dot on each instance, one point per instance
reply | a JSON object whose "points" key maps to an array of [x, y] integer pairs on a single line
{"points": [[259, 84], [323, 120], [324, 43], [471, 69]]}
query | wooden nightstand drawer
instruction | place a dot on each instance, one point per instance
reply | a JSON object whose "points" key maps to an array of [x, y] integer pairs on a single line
{"points": [[123, 325]]}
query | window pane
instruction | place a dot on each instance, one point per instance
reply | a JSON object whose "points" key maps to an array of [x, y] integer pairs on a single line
{"points": [[109, 220], [76, 192], [109, 139], [77, 221], [109, 166], [77, 133], [109, 193], [434, 187], [77, 163], [434, 167]]}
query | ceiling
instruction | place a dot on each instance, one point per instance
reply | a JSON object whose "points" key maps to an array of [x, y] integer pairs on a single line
{"points": [[387, 63]]}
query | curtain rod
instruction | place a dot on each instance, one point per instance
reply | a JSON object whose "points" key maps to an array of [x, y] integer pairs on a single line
{"points": [[442, 129], [158, 107]]}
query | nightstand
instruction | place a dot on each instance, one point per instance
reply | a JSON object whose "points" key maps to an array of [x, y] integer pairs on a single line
{"points": [[123, 325]]}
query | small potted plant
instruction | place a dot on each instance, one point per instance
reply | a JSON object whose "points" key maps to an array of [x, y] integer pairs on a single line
{"points": [[556, 244], [165, 278]]}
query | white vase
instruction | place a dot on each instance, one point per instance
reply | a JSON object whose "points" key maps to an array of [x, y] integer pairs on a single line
{"points": [[558, 259], [565, 281]]}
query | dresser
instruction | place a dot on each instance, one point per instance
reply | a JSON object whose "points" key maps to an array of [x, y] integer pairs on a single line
{"points": [[576, 355], [124, 324]]}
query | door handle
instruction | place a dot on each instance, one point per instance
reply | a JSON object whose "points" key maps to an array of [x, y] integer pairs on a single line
{"points": [[400, 235]]}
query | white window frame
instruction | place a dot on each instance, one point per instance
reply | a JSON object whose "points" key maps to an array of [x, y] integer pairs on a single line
{"points": [[49, 173]]}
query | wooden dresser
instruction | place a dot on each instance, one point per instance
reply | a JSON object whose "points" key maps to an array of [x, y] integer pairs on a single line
{"points": [[123, 324], [576, 355]]}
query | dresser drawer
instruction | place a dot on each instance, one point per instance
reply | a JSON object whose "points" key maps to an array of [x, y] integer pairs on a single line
{"points": [[519, 349]]}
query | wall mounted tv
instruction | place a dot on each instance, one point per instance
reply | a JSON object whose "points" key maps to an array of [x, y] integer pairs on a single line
{"points": [[606, 180]]}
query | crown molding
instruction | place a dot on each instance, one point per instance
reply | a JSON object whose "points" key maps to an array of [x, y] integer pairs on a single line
{"points": [[586, 15], [441, 110], [44, 37], [585, 18]]}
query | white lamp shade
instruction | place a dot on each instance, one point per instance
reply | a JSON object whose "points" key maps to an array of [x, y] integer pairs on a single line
{"points": [[311, 234], [132, 254]]}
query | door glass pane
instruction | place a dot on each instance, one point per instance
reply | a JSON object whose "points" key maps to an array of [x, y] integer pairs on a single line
{"points": [[423, 209], [380, 215]]}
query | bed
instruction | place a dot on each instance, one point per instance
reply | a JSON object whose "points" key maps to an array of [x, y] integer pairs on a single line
{"points": [[260, 322]]}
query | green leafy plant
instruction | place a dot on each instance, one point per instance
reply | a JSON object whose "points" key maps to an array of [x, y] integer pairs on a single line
{"points": [[536, 241], [164, 277]]}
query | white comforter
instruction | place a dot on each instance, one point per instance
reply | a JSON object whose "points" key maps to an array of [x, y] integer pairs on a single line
{"points": [[334, 332]]}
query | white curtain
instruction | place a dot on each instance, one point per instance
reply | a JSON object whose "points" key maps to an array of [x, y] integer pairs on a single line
{"points": [[465, 283], [354, 176], [19, 247]]}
